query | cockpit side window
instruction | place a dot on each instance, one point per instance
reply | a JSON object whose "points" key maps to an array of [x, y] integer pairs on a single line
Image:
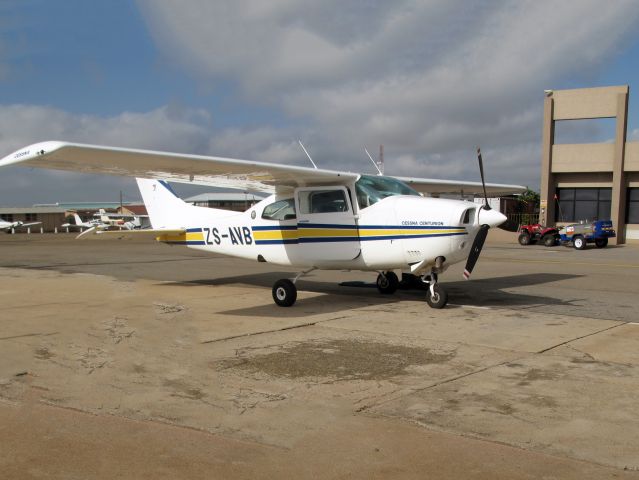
{"points": [[280, 210]]}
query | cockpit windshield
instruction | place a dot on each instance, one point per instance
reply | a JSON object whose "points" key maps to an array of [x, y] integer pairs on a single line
{"points": [[371, 189]]}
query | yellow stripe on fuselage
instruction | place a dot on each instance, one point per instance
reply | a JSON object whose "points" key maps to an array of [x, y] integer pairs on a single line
{"points": [[327, 232], [182, 237], [427, 231], [275, 234]]}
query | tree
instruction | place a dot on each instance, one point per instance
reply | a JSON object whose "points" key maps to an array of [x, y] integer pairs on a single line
{"points": [[528, 206]]}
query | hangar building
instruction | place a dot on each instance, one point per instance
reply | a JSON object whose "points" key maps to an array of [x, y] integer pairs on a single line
{"points": [[589, 181]]}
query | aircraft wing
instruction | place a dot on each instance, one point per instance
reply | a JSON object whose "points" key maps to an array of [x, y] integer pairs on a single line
{"points": [[174, 167], [455, 187], [24, 225], [211, 171], [120, 215]]}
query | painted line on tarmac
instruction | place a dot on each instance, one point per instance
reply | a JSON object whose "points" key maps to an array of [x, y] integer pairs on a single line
{"points": [[469, 306], [567, 262]]}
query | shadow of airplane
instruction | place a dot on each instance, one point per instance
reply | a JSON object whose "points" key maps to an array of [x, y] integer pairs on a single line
{"points": [[487, 292]]}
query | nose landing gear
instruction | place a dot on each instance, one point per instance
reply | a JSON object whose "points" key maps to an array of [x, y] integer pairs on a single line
{"points": [[436, 296]]}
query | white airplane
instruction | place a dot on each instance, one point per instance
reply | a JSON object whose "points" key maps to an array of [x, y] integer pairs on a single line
{"points": [[80, 224], [314, 218], [9, 226], [122, 221]]}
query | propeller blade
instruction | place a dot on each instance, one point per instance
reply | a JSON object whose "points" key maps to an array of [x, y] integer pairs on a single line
{"points": [[483, 183], [475, 250]]}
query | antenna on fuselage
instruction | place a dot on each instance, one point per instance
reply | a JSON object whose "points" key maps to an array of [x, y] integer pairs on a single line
{"points": [[374, 162], [309, 157]]}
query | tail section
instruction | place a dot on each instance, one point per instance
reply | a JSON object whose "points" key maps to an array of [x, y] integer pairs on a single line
{"points": [[166, 209], [78, 220], [104, 218]]}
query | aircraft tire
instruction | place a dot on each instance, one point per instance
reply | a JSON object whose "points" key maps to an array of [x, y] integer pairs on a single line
{"points": [[284, 293], [388, 283], [439, 299]]}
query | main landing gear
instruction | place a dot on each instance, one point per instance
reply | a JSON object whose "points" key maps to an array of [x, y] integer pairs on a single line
{"points": [[387, 283], [285, 291]]}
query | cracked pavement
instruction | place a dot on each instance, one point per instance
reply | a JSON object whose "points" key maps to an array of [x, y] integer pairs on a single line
{"points": [[531, 372]]}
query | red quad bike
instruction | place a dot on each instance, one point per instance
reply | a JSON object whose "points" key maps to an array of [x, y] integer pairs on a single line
{"points": [[529, 234]]}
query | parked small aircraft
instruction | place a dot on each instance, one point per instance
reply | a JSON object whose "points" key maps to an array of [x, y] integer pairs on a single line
{"points": [[80, 224], [314, 219], [9, 226], [122, 221]]}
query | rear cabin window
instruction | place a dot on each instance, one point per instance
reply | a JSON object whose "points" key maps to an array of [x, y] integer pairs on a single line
{"points": [[281, 210], [323, 201]]}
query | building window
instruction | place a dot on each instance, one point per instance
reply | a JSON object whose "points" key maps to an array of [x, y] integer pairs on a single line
{"points": [[7, 217], [632, 210], [30, 217], [576, 204]]}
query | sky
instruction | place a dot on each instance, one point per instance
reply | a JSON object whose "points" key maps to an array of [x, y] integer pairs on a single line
{"points": [[430, 80]]}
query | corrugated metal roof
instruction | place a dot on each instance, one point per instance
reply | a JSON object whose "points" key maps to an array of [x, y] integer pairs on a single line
{"points": [[225, 197], [19, 210]]}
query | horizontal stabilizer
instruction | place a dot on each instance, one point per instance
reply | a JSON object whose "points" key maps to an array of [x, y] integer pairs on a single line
{"points": [[144, 233]]}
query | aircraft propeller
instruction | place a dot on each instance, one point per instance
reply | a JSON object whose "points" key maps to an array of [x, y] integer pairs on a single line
{"points": [[489, 218]]}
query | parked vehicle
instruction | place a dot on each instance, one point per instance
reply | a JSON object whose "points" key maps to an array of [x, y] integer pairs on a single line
{"points": [[533, 233], [580, 234]]}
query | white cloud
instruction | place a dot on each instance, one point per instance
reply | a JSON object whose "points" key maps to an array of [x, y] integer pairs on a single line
{"points": [[430, 80], [170, 128]]}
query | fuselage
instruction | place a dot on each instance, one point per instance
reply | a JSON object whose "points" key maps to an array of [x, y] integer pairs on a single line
{"points": [[338, 227]]}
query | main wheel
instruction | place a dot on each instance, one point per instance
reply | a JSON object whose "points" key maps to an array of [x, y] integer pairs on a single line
{"points": [[387, 283], [601, 242], [438, 299], [524, 239], [579, 242], [284, 292], [549, 240]]}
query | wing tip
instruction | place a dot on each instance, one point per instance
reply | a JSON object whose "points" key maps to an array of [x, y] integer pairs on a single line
{"points": [[31, 152]]}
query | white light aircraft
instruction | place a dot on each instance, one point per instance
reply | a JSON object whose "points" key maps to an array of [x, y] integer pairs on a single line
{"points": [[120, 220], [8, 226], [314, 219], [79, 224]]}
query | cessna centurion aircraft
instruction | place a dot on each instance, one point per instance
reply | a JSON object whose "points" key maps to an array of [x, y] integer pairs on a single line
{"points": [[314, 219]]}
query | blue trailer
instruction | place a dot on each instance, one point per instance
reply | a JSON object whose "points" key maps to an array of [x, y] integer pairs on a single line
{"points": [[580, 234]]}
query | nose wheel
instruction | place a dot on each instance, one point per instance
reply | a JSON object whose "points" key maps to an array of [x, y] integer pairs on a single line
{"points": [[436, 296]]}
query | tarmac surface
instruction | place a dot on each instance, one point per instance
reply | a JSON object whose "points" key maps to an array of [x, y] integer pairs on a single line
{"points": [[130, 359]]}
